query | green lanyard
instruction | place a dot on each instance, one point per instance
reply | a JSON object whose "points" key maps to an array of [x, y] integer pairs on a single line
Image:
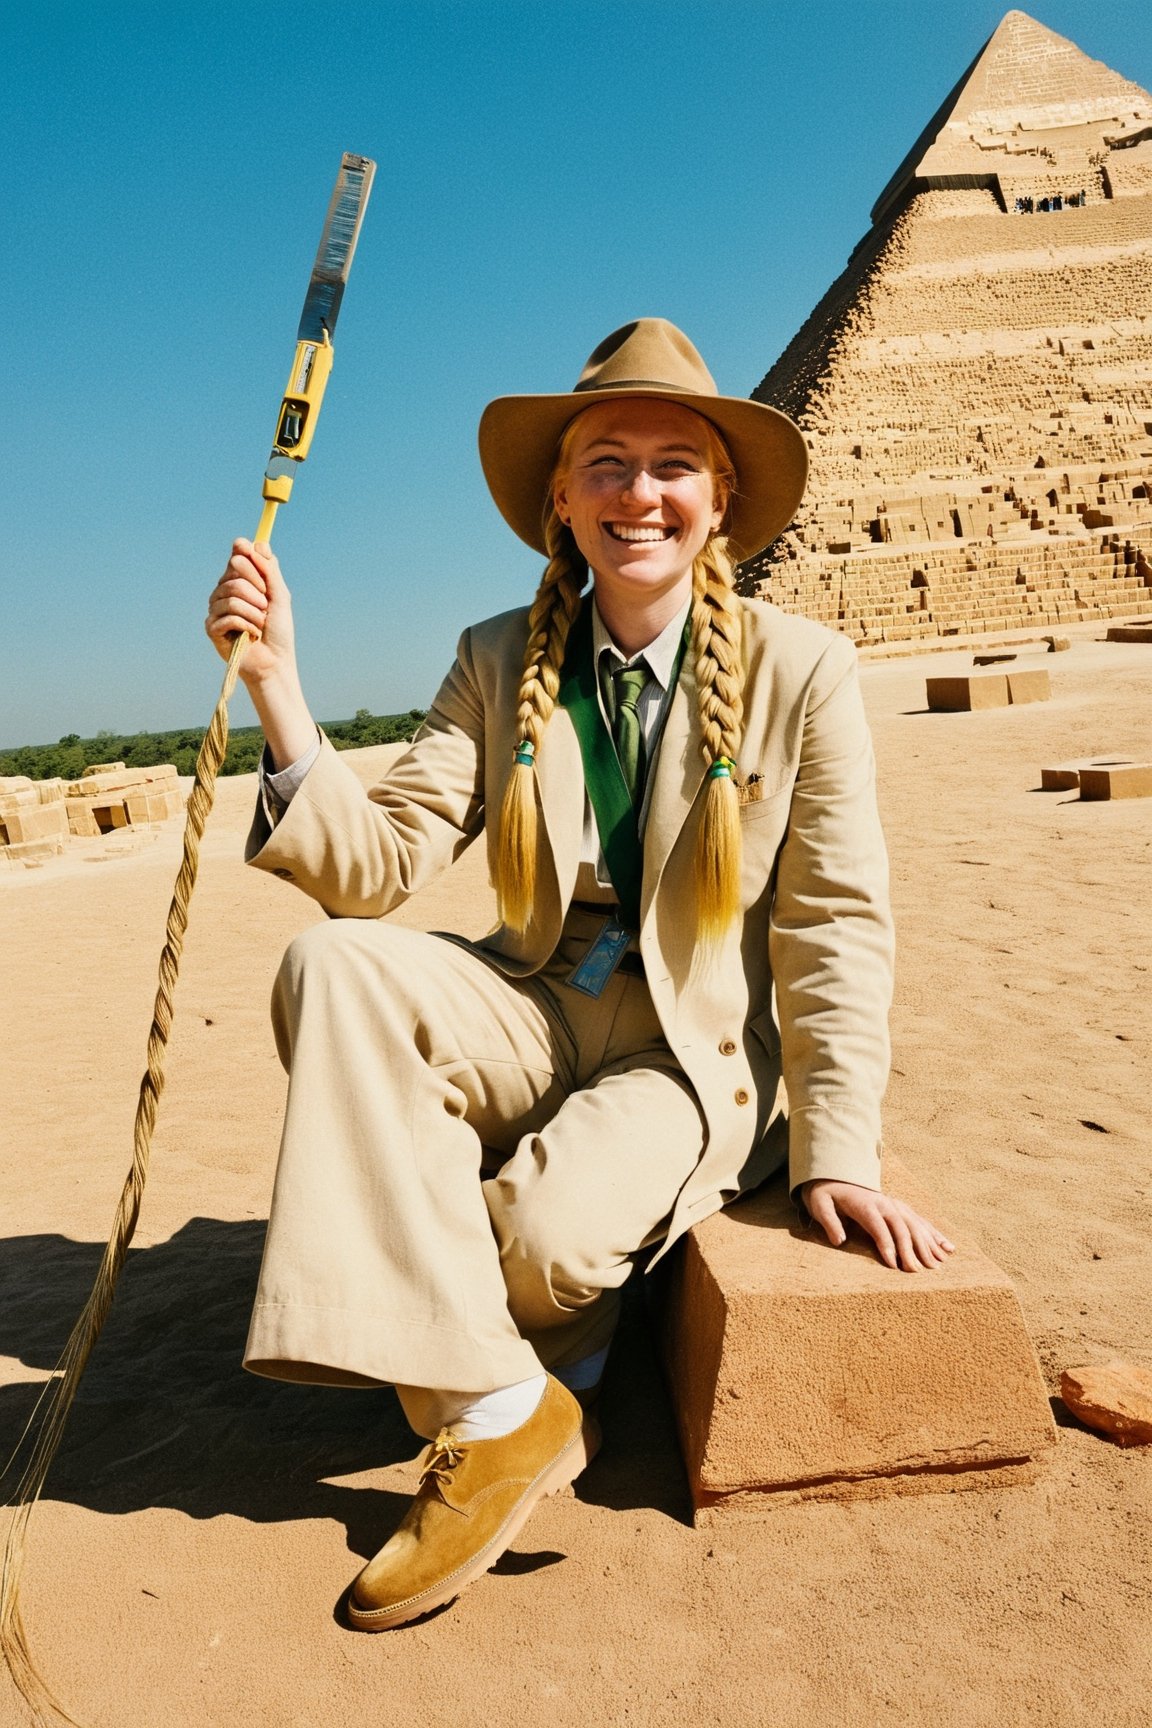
{"points": [[616, 816]]}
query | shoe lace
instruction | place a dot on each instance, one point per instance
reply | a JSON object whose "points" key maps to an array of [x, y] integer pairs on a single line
{"points": [[447, 1452]]}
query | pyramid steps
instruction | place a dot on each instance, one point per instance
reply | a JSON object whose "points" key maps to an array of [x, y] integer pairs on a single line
{"points": [[976, 388]]}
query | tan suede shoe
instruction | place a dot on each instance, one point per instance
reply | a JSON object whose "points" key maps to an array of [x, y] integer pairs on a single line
{"points": [[474, 1497]]}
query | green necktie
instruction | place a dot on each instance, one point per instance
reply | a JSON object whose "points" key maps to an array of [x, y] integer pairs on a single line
{"points": [[626, 730]]}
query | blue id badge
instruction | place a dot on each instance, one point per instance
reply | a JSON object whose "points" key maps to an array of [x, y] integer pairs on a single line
{"points": [[604, 955]]}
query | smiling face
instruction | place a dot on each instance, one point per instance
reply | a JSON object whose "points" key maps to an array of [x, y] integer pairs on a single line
{"points": [[637, 488]]}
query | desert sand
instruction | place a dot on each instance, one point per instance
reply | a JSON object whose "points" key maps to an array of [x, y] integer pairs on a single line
{"points": [[200, 1526]]}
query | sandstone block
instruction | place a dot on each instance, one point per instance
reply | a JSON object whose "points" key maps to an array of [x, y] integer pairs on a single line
{"points": [[990, 659], [1130, 633], [802, 1371], [957, 695], [31, 853], [81, 817], [154, 806], [1057, 644], [26, 798], [1034, 686], [1065, 776], [121, 779], [102, 768], [1130, 780], [14, 783], [1116, 1399], [35, 822]]}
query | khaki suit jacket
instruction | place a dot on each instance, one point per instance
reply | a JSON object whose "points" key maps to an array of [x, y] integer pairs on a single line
{"points": [[781, 1030]]}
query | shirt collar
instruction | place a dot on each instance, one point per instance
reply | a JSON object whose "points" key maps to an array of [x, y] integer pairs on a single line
{"points": [[659, 656]]}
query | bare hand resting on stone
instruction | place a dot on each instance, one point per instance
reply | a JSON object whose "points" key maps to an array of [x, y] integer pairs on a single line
{"points": [[902, 1237]]}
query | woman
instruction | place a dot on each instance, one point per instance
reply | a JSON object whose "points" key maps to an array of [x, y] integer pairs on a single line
{"points": [[677, 793]]}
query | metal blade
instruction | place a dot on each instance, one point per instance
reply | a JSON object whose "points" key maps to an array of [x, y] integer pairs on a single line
{"points": [[337, 245]]}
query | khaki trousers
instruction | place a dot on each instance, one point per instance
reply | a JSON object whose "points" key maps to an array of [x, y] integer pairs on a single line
{"points": [[416, 1068]]}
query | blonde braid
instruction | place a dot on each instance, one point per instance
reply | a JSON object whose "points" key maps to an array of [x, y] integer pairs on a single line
{"points": [[553, 614], [716, 631]]}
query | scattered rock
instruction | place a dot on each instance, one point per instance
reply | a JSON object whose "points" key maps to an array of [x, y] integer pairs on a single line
{"points": [[1057, 644], [1116, 1399]]}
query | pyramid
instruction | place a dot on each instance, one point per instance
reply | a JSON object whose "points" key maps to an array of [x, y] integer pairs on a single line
{"points": [[976, 387]]}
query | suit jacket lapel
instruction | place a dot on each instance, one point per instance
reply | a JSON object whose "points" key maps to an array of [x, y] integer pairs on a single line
{"points": [[679, 772]]}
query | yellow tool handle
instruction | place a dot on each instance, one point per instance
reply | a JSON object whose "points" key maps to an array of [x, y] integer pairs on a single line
{"points": [[276, 492]]}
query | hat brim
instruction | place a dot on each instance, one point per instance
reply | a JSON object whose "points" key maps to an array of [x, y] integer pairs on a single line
{"points": [[519, 436]]}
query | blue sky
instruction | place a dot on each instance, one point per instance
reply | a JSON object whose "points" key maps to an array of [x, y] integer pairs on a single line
{"points": [[546, 171]]}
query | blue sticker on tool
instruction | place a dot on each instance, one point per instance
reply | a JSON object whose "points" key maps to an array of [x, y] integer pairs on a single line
{"points": [[604, 954]]}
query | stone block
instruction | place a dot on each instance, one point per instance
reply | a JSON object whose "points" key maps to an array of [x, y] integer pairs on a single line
{"points": [[26, 798], [87, 816], [1129, 633], [1127, 780], [802, 1371], [957, 695], [154, 806], [81, 817], [1033, 686], [1116, 1399], [1065, 776], [30, 853], [120, 779], [990, 659], [35, 822]]}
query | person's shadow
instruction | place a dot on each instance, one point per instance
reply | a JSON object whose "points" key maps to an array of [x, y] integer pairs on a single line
{"points": [[166, 1416]]}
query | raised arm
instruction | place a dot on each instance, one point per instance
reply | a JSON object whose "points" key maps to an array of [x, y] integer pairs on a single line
{"points": [[253, 596], [358, 853]]}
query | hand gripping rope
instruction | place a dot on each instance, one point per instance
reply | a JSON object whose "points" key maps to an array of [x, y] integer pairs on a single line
{"points": [[311, 367]]}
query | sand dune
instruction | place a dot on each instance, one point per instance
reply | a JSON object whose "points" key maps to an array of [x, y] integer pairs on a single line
{"points": [[200, 1525]]}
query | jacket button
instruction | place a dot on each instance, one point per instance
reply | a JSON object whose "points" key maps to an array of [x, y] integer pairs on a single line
{"points": [[727, 1047], [741, 1096]]}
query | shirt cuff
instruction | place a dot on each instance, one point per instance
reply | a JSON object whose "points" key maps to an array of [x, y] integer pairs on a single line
{"points": [[277, 789]]}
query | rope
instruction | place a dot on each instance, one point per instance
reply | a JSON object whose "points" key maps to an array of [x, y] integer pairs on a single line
{"points": [[46, 1424]]}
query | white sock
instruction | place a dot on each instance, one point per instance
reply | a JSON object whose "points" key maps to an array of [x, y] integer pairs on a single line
{"points": [[580, 1376], [472, 1415]]}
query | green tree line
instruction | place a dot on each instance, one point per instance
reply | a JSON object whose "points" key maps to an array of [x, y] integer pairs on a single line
{"points": [[68, 758]]}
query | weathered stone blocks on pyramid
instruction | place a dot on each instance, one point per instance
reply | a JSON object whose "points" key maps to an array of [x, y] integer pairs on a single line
{"points": [[875, 1382], [974, 386]]}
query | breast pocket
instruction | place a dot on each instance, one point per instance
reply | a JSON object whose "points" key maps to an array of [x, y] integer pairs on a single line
{"points": [[757, 801]]}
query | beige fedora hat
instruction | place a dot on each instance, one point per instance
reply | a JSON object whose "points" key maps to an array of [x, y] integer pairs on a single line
{"points": [[649, 357]]}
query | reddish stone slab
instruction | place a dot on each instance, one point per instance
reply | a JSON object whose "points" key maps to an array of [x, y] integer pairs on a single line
{"points": [[805, 1371], [1115, 1399]]}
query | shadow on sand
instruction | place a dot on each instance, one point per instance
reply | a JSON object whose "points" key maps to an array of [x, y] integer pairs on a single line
{"points": [[166, 1416]]}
